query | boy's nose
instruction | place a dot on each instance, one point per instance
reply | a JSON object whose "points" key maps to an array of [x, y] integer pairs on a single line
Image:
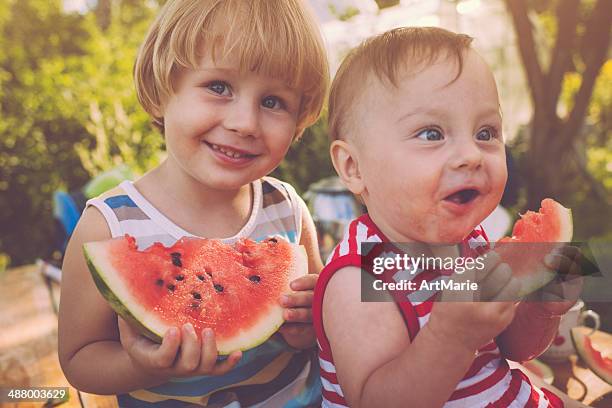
{"points": [[242, 118], [466, 155]]}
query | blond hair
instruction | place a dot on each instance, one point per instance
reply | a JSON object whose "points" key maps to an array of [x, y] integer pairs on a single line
{"points": [[383, 57], [276, 38]]}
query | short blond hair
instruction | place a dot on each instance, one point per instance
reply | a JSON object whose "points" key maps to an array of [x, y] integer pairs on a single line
{"points": [[279, 39], [383, 57]]}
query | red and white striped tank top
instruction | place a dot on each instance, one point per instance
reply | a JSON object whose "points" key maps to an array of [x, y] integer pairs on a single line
{"points": [[489, 382]]}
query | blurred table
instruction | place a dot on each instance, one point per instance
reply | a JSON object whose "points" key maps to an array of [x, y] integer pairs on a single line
{"points": [[574, 378], [28, 339]]}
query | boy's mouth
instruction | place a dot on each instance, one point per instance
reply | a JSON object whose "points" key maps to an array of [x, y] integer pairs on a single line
{"points": [[230, 152], [464, 196]]}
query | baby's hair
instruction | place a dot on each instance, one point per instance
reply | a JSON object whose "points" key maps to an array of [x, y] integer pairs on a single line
{"points": [[381, 57], [279, 39]]}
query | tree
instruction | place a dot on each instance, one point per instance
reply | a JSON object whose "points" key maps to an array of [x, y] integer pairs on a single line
{"points": [[557, 142]]}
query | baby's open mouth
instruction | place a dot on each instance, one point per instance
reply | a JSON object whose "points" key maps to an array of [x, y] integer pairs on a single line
{"points": [[463, 196]]}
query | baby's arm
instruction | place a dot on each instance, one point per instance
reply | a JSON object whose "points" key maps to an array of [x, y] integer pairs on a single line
{"points": [[376, 364], [537, 320], [89, 349]]}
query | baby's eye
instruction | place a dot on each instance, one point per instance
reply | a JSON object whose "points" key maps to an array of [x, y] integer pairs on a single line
{"points": [[272, 102], [430, 135], [486, 134], [219, 87]]}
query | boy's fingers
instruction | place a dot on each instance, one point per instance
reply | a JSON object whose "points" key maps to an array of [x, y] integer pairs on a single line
{"points": [[209, 351], [189, 358], [298, 299], [165, 354], [226, 365], [295, 329], [306, 282], [127, 335], [298, 315], [495, 281]]}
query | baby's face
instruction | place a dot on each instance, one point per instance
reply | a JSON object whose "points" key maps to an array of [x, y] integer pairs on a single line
{"points": [[431, 153]]}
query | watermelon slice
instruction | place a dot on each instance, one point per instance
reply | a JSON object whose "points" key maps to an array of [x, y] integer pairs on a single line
{"points": [[233, 289], [592, 356], [544, 229], [540, 369]]}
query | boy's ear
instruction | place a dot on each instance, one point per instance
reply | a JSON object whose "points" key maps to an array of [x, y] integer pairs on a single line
{"points": [[346, 165]]}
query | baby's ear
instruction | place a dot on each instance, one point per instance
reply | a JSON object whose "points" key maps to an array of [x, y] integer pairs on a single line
{"points": [[345, 162]]}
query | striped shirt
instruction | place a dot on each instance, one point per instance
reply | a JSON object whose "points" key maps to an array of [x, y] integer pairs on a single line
{"points": [[270, 375], [489, 382]]}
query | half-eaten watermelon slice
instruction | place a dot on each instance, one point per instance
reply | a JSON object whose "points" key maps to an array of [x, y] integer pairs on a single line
{"points": [[534, 236], [540, 369], [597, 362], [233, 289]]}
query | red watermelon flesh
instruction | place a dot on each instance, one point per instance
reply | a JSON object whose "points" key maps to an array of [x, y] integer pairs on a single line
{"points": [[534, 236], [597, 362], [233, 289]]}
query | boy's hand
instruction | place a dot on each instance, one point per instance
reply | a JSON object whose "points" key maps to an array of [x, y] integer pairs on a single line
{"points": [[162, 360], [475, 323], [558, 296], [298, 331]]}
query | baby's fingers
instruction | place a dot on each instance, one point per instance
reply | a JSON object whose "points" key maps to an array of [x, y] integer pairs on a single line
{"points": [[564, 265], [157, 356]]}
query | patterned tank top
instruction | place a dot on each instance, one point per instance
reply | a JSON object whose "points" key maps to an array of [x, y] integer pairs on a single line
{"points": [[489, 382], [270, 375]]}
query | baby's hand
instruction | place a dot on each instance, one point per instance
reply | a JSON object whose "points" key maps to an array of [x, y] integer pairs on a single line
{"points": [[298, 331], [476, 323], [558, 296], [161, 359]]}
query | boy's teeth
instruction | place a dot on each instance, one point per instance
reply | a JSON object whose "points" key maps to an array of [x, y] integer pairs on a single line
{"points": [[227, 152]]}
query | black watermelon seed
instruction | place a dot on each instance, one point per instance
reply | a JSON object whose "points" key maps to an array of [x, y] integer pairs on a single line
{"points": [[196, 295], [254, 278], [273, 240], [179, 277], [159, 282], [176, 261], [175, 254], [201, 277], [171, 287], [218, 288]]}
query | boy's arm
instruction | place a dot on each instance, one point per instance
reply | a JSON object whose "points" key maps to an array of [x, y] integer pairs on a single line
{"points": [[299, 332], [90, 353], [376, 364]]}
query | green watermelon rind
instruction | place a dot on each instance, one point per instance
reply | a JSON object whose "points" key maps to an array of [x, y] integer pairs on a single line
{"points": [[154, 329], [578, 336]]}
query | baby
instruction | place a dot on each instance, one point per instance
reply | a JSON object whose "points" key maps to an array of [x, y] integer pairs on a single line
{"points": [[416, 133]]}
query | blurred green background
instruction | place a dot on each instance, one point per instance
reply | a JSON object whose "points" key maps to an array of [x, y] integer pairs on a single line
{"points": [[68, 108]]}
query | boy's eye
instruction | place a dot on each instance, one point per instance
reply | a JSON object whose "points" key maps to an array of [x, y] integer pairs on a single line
{"points": [[220, 88], [272, 102], [486, 134], [430, 135]]}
